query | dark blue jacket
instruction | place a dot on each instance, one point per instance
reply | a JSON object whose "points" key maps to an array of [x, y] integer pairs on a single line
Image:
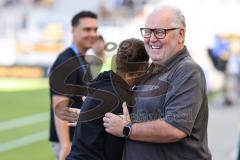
{"points": [[90, 141]]}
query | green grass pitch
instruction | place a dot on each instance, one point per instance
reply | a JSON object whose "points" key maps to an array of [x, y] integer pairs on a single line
{"points": [[20, 98]]}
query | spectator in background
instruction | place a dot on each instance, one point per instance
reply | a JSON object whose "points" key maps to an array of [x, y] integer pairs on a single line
{"points": [[98, 48], [97, 58], [84, 30]]}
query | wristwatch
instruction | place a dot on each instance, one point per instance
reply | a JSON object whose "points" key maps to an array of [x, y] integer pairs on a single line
{"points": [[127, 130]]}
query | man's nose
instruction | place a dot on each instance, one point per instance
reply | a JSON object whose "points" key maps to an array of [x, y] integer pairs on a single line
{"points": [[153, 38]]}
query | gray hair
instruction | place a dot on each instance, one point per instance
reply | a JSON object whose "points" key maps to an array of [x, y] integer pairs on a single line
{"points": [[179, 18]]}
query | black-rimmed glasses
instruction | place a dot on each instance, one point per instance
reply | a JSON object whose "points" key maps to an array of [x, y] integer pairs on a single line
{"points": [[160, 33]]}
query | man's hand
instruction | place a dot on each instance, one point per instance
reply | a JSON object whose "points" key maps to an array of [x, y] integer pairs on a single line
{"points": [[114, 124], [74, 124], [67, 114], [74, 110]]}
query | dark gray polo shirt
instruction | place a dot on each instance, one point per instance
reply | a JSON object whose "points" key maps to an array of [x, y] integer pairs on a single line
{"points": [[181, 102]]}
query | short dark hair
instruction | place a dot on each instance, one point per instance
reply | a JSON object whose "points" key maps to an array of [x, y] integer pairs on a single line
{"points": [[82, 14], [131, 55]]}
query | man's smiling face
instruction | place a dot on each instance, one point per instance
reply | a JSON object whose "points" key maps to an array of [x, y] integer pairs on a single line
{"points": [[161, 50]]}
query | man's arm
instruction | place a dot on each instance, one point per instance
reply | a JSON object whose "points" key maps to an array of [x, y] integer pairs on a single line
{"points": [[62, 127], [157, 131], [183, 103], [63, 111]]}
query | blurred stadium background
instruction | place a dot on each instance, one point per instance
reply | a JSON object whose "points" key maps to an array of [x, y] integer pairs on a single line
{"points": [[33, 32]]}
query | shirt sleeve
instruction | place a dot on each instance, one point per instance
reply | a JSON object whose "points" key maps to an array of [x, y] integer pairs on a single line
{"points": [[73, 77], [184, 100]]}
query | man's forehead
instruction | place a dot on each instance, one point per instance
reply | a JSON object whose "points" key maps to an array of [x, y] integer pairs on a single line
{"points": [[88, 22], [160, 18]]}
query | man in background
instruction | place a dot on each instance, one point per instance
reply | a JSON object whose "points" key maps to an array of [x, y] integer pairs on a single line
{"points": [[84, 30]]}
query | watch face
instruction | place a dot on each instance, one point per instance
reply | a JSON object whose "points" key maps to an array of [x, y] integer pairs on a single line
{"points": [[126, 131]]}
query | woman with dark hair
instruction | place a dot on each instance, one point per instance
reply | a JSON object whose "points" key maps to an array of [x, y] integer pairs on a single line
{"points": [[106, 94]]}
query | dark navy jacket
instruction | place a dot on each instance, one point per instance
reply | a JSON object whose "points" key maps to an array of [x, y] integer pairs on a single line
{"points": [[90, 141]]}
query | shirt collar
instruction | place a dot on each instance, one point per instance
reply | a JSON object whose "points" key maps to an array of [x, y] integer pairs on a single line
{"points": [[74, 48], [155, 68]]}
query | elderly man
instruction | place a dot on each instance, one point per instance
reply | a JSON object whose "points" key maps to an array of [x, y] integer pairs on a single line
{"points": [[170, 126]]}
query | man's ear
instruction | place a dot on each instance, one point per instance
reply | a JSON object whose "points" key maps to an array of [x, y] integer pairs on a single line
{"points": [[73, 29], [181, 35]]}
